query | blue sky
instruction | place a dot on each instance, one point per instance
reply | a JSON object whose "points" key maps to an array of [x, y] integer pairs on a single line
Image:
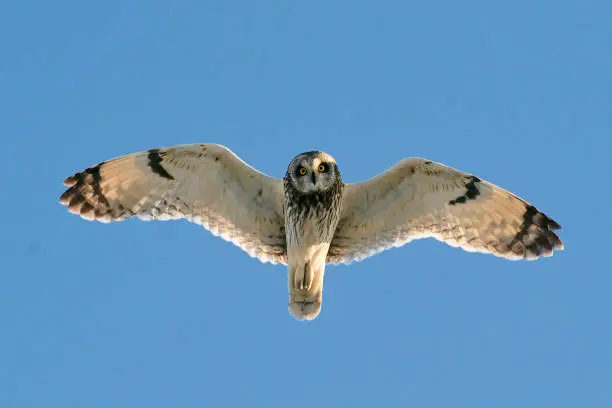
{"points": [[164, 314]]}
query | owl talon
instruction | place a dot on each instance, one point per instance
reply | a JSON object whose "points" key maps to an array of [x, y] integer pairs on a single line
{"points": [[298, 282], [308, 277]]}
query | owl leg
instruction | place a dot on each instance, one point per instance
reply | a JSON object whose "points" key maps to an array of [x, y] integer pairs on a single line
{"points": [[303, 277]]}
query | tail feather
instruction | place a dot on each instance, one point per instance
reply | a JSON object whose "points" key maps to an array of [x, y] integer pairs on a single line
{"points": [[306, 306], [305, 291]]}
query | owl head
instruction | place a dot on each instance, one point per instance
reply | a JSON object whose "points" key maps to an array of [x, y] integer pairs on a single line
{"points": [[313, 171]]}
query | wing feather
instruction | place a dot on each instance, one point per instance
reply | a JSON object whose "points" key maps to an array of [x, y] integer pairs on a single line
{"points": [[418, 198], [204, 183]]}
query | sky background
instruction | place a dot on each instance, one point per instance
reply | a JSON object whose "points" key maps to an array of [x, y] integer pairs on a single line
{"points": [[138, 314]]}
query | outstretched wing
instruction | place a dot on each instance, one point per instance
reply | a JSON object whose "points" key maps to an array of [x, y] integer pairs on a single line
{"points": [[418, 198], [203, 183]]}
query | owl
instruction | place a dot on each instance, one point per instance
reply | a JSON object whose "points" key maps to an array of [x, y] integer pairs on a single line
{"points": [[311, 218]]}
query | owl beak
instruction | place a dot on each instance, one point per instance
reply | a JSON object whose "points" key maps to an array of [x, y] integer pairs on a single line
{"points": [[314, 178]]}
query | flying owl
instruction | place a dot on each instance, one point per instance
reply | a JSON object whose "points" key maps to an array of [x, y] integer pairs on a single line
{"points": [[311, 217]]}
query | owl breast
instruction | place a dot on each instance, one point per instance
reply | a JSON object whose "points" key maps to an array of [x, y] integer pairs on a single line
{"points": [[311, 219]]}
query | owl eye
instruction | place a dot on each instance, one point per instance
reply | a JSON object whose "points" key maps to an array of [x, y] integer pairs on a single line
{"points": [[322, 168], [302, 171]]}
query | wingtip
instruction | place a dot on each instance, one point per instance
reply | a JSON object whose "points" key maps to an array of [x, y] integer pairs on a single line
{"points": [[71, 181], [65, 197]]}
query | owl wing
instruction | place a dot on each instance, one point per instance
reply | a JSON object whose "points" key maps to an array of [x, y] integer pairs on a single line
{"points": [[418, 198], [204, 183]]}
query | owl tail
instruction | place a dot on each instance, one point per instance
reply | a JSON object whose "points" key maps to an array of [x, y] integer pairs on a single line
{"points": [[305, 290]]}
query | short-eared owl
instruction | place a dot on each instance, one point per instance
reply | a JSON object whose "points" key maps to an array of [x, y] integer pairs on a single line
{"points": [[311, 218]]}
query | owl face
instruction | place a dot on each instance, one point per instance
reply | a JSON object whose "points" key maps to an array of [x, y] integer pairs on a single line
{"points": [[313, 172]]}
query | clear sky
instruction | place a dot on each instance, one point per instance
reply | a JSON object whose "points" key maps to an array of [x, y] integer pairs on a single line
{"points": [[138, 314]]}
